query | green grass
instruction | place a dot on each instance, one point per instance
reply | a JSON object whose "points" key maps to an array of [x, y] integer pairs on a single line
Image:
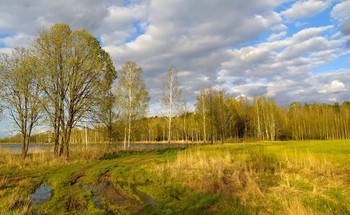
{"points": [[310, 177]]}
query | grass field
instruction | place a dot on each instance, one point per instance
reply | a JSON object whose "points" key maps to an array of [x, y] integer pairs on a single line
{"points": [[295, 177]]}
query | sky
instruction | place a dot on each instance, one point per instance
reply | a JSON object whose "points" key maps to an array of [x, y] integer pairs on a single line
{"points": [[288, 50]]}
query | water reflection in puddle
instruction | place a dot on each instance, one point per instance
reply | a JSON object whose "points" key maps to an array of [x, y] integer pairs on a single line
{"points": [[41, 194]]}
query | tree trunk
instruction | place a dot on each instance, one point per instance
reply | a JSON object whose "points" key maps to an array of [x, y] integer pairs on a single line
{"points": [[169, 129], [129, 130], [24, 141], [125, 137]]}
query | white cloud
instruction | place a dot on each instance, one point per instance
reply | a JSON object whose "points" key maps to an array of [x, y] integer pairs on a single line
{"points": [[284, 66], [202, 40], [20, 39], [334, 87], [297, 54], [304, 9], [309, 33], [341, 11], [195, 37], [6, 50], [277, 36]]}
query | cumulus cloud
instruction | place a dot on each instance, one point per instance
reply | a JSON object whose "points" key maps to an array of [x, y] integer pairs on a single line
{"points": [[304, 9], [19, 39], [277, 36], [294, 55], [28, 16], [334, 87], [345, 28], [341, 13], [284, 67], [247, 49], [195, 38], [110, 20]]}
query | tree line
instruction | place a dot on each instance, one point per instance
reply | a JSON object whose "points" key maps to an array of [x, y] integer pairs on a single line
{"points": [[65, 79]]}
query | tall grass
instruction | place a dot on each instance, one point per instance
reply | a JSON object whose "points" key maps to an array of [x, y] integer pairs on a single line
{"points": [[265, 178]]}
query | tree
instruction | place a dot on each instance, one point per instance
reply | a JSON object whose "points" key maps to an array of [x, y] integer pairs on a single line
{"points": [[221, 113], [75, 71], [206, 107], [21, 93], [132, 97], [201, 109], [106, 113], [266, 118], [171, 96], [184, 112]]}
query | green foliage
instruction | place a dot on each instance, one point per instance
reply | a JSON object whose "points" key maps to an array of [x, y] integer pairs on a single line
{"points": [[21, 92], [75, 72]]}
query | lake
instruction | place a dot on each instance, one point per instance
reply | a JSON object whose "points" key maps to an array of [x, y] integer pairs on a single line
{"points": [[39, 147]]}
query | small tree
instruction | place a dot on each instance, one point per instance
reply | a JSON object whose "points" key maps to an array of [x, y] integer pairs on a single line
{"points": [[171, 96], [132, 97], [21, 93], [106, 113]]}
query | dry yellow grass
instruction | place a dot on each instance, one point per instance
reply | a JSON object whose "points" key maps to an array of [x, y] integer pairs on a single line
{"points": [[259, 178], [40, 157]]}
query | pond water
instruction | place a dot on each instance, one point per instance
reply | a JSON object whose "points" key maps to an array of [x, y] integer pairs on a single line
{"points": [[41, 194], [39, 147], [33, 148]]}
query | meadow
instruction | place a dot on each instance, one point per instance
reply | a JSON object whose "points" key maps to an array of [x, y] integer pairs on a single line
{"points": [[291, 177]]}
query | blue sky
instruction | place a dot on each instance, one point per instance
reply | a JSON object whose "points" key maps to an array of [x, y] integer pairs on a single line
{"points": [[288, 50]]}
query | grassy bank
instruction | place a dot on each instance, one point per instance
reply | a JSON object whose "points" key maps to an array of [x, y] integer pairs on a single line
{"points": [[308, 177]]}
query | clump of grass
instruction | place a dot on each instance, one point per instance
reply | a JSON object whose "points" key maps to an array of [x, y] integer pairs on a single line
{"points": [[215, 172]]}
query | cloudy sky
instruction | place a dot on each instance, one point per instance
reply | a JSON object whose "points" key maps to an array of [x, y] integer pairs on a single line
{"points": [[288, 50]]}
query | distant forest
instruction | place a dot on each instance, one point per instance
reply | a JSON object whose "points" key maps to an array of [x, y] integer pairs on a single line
{"points": [[219, 118]]}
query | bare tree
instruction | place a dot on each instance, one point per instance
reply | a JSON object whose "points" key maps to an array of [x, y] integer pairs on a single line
{"points": [[171, 96]]}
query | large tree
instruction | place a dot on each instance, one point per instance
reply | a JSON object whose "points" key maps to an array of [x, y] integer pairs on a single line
{"points": [[132, 97], [75, 71], [171, 97], [21, 92]]}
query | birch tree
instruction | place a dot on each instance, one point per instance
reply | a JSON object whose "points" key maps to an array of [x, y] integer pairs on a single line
{"points": [[171, 96], [201, 109], [132, 97]]}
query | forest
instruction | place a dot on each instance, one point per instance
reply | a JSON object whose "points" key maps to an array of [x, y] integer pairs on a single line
{"points": [[242, 120], [66, 83]]}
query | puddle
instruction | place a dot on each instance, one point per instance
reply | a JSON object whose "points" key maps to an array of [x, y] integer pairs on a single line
{"points": [[146, 199], [143, 196], [106, 191], [41, 194]]}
